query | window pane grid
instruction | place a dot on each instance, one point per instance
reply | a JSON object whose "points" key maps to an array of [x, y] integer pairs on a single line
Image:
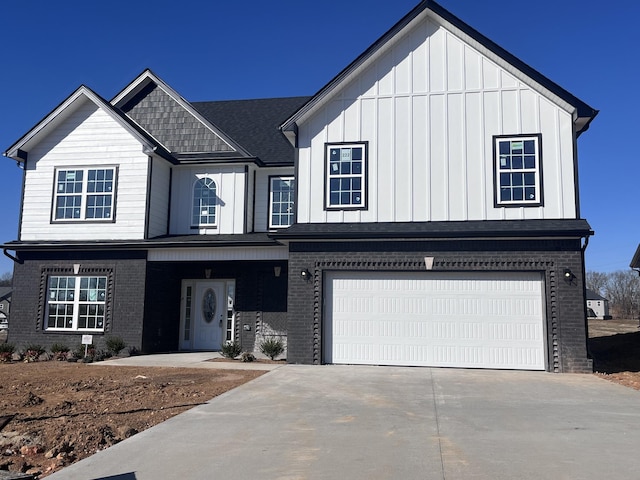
{"points": [[204, 202], [76, 303], [346, 175], [76, 191], [518, 170], [282, 202]]}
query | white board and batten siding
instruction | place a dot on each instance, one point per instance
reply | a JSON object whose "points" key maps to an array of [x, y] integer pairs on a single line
{"points": [[429, 104], [88, 137], [435, 319], [262, 194], [159, 197], [230, 190]]}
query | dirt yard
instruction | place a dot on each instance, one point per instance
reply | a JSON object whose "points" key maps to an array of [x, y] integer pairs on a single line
{"points": [[53, 413], [615, 348]]}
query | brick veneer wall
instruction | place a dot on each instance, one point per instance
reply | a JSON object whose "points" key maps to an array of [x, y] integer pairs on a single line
{"points": [[565, 304], [126, 273]]}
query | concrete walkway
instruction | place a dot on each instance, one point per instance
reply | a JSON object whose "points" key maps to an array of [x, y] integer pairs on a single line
{"points": [[186, 360], [346, 422]]}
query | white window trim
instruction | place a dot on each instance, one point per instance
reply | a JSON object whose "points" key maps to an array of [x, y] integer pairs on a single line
{"points": [[84, 194], [363, 175], [271, 191], [76, 305], [216, 213], [537, 171]]}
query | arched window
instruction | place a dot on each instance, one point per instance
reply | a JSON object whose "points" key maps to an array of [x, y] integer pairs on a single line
{"points": [[204, 202]]}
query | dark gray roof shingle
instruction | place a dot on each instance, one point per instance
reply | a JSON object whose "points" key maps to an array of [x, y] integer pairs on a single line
{"points": [[254, 124]]}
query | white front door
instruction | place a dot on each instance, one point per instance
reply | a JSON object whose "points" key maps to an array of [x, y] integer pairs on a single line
{"points": [[210, 306]]}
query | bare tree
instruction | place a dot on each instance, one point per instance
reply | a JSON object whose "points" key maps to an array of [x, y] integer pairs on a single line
{"points": [[6, 279], [623, 291], [597, 281]]}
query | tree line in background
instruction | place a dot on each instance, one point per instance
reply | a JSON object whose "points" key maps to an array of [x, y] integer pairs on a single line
{"points": [[6, 279], [621, 288]]}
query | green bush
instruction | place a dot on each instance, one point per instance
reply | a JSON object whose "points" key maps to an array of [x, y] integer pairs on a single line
{"points": [[115, 345], [230, 349], [271, 347]]}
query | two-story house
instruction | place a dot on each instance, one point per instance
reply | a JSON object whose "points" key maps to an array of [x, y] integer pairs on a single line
{"points": [[421, 209]]}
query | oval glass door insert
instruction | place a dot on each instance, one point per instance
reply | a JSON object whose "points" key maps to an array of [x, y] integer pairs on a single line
{"points": [[209, 305]]}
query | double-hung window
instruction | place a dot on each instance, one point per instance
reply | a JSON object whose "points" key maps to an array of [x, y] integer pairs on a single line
{"points": [[280, 202], [76, 303], [205, 203], [84, 194], [346, 176], [518, 170]]}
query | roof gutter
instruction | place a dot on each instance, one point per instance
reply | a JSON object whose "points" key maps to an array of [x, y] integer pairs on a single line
{"points": [[15, 259]]}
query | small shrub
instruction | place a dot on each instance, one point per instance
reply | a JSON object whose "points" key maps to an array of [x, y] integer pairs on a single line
{"points": [[32, 352], [59, 351], [230, 349], [248, 357], [80, 350], [271, 347], [115, 345], [6, 352]]}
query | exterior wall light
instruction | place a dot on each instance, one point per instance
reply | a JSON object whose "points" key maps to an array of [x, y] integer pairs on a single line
{"points": [[305, 274], [277, 271], [207, 273], [568, 274]]}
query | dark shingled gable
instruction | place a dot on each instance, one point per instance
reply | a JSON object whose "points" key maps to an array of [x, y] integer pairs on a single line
{"points": [[254, 124], [169, 122]]}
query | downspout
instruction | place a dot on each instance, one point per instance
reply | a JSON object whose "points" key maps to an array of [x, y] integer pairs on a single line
{"points": [[584, 298]]}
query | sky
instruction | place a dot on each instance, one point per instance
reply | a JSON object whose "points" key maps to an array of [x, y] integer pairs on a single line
{"points": [[214, 50]]}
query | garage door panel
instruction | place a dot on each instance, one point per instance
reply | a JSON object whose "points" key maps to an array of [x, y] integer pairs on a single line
{"points": [[488, 319]]}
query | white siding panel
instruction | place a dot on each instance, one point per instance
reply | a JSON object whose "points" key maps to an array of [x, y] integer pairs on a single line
{"points": [[455, 64], [249, 205], [438, 156], [385, 162], [529, 112], [420, 156], [385, 74], [420, 59], [403, 76], [445, 319], [510, 113], [457, 162], [89, 137], [477, 174], [370, 133], [159, 197], [472, 69], [404, 161], [490, 75], [437, 61]]}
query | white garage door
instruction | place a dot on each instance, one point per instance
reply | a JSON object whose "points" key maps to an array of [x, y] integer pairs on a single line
{"points": [[439, 319]]}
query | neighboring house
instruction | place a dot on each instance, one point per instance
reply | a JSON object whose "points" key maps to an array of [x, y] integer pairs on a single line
{"points": [[597, 306], [424, 211], [635, 261], [5, 305]]}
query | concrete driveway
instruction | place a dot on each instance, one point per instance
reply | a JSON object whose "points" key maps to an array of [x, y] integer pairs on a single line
{"points": [[348, 422]]}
